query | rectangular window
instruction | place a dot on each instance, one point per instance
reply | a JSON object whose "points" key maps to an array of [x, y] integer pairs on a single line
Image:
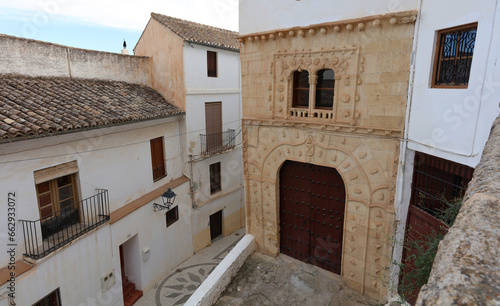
{"points": [[213, 125], [158, 158], [453, 59], [215, 185], [172, 216], [212, 64], [52, 299], [58, 204]]}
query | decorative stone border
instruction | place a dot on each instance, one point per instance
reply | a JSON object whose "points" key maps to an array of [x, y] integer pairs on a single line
{"points": [[359, 24]]}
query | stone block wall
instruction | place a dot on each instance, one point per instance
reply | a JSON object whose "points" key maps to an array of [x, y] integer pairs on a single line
{"points": [[359, 136], [37, 58], [466, 270]]}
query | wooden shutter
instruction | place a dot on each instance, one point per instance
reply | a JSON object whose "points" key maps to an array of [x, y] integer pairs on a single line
{"points": [[213, 125], [157, 158], [211, 64]]}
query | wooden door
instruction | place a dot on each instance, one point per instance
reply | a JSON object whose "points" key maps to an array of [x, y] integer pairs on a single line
{"points": [[216, 225], [312, 205]]}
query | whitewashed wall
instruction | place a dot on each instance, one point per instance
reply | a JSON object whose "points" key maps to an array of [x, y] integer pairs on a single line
{"points": [[454, 123], [117, 159], [195, 70], [263, 15], [200, 89]]}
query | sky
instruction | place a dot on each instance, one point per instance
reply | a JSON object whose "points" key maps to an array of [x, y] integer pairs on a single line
{"points": [[104, 24]]}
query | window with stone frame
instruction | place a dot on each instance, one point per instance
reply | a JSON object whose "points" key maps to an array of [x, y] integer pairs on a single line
{"points": [[453, 58], [301, 89], [324, 89]]}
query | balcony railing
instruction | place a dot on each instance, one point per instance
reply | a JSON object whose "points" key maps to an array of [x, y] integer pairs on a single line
{"points": [[50, 233], [217, 142]]}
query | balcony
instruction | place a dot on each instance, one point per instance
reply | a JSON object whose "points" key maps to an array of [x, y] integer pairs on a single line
{"points": [[50, 233], [217, 142]]}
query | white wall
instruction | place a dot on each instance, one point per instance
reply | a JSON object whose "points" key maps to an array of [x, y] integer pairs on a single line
{"points": [[75, 269], [117, 159], [201, 89], [454, 123], [195, 69], [263, 15], [168, 246]]}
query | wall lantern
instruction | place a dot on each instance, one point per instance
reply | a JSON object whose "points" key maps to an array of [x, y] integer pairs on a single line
{"points": [[167, 198]]}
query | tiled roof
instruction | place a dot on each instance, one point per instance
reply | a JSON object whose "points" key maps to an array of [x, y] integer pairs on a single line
{"points": [[200, 33], [38, 106]]}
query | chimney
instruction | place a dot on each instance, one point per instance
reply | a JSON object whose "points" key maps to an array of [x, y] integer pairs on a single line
{"points": [[124, 50]]}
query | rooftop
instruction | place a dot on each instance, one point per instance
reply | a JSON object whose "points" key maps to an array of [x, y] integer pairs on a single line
{"points": [[32, 107], [200, 33]]}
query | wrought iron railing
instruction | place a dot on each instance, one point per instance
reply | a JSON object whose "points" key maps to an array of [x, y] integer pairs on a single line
{"points": [[50, 233], [217, 142]]}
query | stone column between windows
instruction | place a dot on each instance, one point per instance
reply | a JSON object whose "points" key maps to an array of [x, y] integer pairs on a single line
{"points": [[313, 80]]}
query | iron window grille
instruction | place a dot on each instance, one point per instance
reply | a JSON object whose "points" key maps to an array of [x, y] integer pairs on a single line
{"points": [[436, 182], [454, 51]]}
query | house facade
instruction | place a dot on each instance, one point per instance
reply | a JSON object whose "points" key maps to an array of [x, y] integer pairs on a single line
{"points": [[353, 116], [82, 163], [203, 63]]}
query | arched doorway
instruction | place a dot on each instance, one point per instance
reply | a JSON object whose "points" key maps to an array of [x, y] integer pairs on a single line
{"points": [[312, 204]]}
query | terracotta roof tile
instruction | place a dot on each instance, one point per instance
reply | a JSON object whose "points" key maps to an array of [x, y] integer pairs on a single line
{"points": [[200, 33], [38, 106]]}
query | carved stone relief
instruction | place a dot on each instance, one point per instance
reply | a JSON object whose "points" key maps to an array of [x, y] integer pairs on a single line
{"points": [[345, 64]]}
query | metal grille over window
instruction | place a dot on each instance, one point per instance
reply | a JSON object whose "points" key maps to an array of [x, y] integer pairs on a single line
{"points": [[454, 56]]}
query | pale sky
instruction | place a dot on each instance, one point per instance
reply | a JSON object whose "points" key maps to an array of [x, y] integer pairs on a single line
{"points": [[103, 24]]}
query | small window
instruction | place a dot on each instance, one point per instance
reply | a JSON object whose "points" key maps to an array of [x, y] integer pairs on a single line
{"points": [[52, 299], [172, 215], [454, 50], [324, 89], [212, 64], [157, 158], [300, 89], [58, 204], [215, 185]]}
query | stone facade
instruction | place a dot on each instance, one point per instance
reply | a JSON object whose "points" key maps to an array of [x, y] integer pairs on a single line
{"points": [[359, 136]]}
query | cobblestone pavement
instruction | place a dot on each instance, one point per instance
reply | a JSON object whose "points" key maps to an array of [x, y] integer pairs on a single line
{"points": [[176, 287], [266, 281]]}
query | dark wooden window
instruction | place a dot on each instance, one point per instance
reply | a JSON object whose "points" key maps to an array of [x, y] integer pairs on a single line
{"points": [[57, 194], [212, 64], [300, 89], [157, 158], [453, 61], [324, 89], [172, 216], [52, 299], [213, 125], [215, 185]]}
